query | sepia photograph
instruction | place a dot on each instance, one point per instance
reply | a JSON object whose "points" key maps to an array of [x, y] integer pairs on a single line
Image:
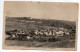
{"points": [[40, 25]]}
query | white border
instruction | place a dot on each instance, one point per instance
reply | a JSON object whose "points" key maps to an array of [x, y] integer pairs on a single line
{"points": [[1, 25]]}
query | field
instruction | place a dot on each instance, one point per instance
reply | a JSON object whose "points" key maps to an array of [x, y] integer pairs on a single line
{"points": [[61, 42], [31, 24]]}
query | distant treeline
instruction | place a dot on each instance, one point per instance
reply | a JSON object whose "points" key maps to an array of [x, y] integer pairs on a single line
{"points": [[46, 22]]}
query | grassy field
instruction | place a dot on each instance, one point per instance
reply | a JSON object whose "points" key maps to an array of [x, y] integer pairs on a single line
{"points": [[13, 23], [61, 42]]}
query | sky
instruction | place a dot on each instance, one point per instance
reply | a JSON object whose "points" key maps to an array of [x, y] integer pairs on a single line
{"points": [[41, 10]]}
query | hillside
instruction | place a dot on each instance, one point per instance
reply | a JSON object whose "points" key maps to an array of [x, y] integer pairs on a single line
{"points": [[27, 23]]}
